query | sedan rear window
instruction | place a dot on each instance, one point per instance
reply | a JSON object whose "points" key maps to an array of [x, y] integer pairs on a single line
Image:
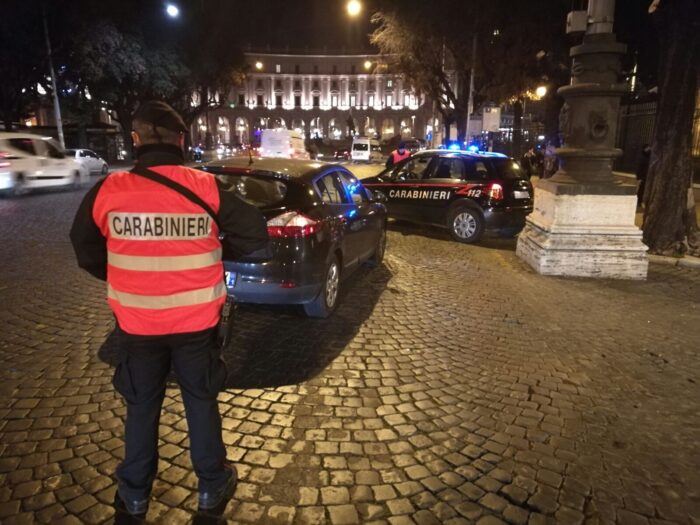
{"points": [[25, 145], [262, 192], [507, 169]]}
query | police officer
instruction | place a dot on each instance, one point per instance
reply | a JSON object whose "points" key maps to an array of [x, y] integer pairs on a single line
{"points": [[398, 155], [161, 257]]}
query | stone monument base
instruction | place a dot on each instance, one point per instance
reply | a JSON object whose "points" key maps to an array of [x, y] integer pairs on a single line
{"points": [[582, 231]]}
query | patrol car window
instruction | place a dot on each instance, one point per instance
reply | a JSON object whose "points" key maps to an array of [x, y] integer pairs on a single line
{"points": [[412, 169], [329, 190], [360, 147], [449, 168], [354, 189], [375, 147], [84, 154], [507, 169], [477, 170], [25, 145]]}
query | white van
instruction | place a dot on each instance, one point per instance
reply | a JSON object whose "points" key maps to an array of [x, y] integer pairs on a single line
{"points": [[365, 149], [283, 143]]}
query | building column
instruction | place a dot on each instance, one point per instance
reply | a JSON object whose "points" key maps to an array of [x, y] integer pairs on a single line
{"points": [[583, 219]]}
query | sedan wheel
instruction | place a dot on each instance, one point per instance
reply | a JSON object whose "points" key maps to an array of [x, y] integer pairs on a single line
{"points": [[466, 224], [327, 299], [105, 169]]}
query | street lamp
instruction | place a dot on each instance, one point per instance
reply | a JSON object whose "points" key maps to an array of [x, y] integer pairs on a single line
{"points": [[258, 65], [368, 64], [541, 91], [172, 10], [354, 7]]}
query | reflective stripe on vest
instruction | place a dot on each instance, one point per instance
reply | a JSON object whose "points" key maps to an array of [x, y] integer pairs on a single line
{"points": [[163, 264], [161, 302]]}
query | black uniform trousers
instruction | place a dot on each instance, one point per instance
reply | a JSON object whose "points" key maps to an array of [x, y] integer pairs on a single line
{"points": [[141, 378]]}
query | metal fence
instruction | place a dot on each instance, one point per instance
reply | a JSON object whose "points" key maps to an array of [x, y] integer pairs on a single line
{"points": [[634, 129]]}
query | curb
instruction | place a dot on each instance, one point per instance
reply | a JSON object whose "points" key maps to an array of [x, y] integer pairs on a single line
{"points": [[684, 262]]}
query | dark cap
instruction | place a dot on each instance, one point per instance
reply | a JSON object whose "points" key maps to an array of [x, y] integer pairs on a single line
{"points": [[160, 114]]}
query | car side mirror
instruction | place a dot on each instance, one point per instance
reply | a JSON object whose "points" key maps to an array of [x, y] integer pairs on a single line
{"points": [[378, 196]]}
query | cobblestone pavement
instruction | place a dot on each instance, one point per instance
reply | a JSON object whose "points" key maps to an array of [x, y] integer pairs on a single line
{"points": [[453, 385]]}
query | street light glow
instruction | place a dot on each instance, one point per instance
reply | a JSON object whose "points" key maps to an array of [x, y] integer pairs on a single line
{"points": [[368, 64], [258, 65], [172, 10], [354, 7], [541, 91]]}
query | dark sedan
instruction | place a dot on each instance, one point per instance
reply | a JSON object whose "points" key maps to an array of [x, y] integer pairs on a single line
{"points": [[322, 222], [466, 192]]}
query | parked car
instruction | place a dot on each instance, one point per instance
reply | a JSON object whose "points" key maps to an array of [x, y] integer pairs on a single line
{"points": [[365, 149], [29, 161], [91, 160], [342, 154], [465, 192], [323, 224]]}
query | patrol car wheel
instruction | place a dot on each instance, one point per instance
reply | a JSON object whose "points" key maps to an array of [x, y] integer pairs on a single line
{"points": [[466, 224], [105, 169], [327, 299]]}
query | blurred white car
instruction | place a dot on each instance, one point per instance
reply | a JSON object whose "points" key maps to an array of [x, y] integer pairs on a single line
{"points": [[29, 161], [91, 160]]}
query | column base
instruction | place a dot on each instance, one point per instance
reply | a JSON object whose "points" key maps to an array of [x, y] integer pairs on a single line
{"points": [[583, 236]]}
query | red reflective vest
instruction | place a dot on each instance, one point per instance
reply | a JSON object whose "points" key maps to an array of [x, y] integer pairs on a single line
{"points": [[397, 157], [164, 269]]}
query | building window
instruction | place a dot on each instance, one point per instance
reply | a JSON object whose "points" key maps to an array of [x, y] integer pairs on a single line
{"points": [[258, 84], [278, 68], [278, 101], [335, 70], [316, 70], [371, 84], [296, 69], [278, 84], [406, 100], [353, 100], [389, 101], [297, 85], [315, 85], [370, 101], [334, 101], [241, 99], [352, 69], [260, 100], [297, 101], [389, 83], [317, 101], [353, 85], [334, 85]]}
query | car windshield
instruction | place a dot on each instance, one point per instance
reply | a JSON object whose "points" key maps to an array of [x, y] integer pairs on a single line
{"points": [[507, 169], [259, 191]]}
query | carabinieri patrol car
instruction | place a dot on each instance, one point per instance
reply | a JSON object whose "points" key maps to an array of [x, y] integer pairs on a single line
{"points": [[467, 192]]}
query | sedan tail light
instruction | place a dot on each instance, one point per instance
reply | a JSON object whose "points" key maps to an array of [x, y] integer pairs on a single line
{"points": [[496, 192], [292, 224]]}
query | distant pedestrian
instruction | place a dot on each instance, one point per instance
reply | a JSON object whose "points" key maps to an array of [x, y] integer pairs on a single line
{"points": [[160, 254], [642, 170], [529, 163], [396, 156]]}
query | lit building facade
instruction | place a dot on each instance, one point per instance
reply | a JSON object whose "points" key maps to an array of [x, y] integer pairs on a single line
{"points": [[320, 95]]}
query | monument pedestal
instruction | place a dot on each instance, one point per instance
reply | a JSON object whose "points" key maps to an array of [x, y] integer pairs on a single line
{"points": [[584, 231]]}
